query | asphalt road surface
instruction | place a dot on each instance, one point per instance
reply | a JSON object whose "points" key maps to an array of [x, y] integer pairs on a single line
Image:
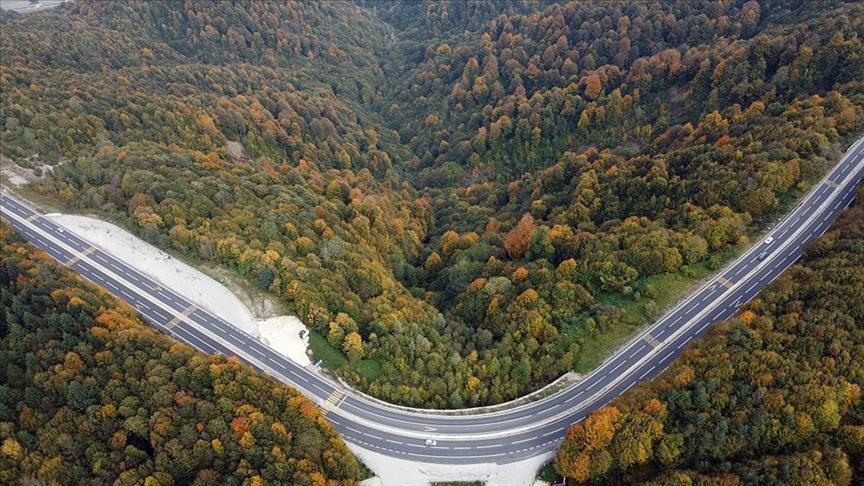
{"points": [[500, 436]]}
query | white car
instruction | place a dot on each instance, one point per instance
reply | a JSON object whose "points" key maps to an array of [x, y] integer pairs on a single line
{"points": [[769, 240], [431, 442]]}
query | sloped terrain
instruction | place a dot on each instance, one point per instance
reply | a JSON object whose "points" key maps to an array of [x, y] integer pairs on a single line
{"points": [[90, 393], [463, 200], [770, 397]]}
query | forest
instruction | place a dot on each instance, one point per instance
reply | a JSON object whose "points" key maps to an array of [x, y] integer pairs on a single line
{"points": [[463, 200], [772, 396], [91, 393]]}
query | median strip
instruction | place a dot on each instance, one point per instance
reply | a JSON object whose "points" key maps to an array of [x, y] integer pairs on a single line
{"points": [[183, 315], [336, 398], [79, 256], [650, 340]]}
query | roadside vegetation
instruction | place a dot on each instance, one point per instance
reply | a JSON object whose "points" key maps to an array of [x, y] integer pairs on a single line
{"points": [[89, 392], [463, 200], [772, 396]]}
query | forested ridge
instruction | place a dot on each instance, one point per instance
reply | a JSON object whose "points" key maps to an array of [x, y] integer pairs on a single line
{"points": [[90, 394], [772, 396], [465, 200]]}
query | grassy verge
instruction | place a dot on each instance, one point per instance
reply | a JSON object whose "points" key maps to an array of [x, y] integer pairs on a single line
{"points": [[321, 349], [333, 359], [369, 369], [651, 296]]}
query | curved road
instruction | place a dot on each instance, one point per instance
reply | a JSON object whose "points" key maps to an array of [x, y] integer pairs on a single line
{"points": [[502, 436]]}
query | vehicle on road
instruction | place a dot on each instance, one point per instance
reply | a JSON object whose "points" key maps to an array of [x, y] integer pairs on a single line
{"points": [[543, 418]]}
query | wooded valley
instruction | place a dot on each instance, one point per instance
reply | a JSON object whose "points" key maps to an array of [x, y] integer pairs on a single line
{"points": [[464, 200]]}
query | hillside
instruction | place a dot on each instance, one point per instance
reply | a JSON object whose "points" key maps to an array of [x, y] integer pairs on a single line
{"points": [[90, 393], [772, 396], [463, 200], [524, 88]]}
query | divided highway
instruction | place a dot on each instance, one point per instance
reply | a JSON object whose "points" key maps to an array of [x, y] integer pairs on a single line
{"points": [[501, 436]]}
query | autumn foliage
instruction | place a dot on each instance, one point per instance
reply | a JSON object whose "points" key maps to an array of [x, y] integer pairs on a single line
{"points": [[772, 396], [90, 393], [516, 242], [403, 175]]}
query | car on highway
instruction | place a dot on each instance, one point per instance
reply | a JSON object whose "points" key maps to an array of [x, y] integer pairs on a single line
{"points": [[769, 240], [762, 256], [431, 442]]}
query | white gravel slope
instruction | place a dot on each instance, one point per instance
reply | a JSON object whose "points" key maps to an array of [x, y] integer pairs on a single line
{"points": [[399, 472], [280, 333]]}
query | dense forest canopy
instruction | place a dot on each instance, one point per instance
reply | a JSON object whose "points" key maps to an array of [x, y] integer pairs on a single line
{"points": [[464, 200], [89, 393], [772, 396]]}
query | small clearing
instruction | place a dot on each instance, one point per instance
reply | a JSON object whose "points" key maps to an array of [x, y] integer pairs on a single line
{"points": [[18, 175]]}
